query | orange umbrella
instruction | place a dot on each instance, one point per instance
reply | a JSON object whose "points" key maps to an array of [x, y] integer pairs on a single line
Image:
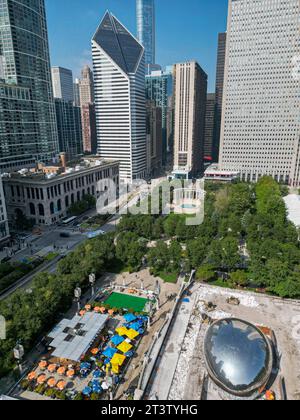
{"points": [[43, 364], [71, 373], [95, 351], [270, 396], [61, 385], [61, 370], [52, 368], [41, 379], [51, 382], [31, 376]]}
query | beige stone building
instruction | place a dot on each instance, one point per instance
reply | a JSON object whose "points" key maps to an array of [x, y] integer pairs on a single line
{"points": [[190, 83], [45, 196]]}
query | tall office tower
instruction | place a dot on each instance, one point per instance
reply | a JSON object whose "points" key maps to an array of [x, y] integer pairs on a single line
{"points": [[62, 81], [26, 88], [190, 109], [159, 88], [170, 130], [86, 86], [89, 133], [87, 99], [210, 127], [219, 94], [260, 132], [145, 14], [119, 81], [76, 92], [4, 231], [69, 128], [154, 139]]}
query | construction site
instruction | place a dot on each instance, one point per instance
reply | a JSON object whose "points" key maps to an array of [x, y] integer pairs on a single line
{"points": [[229, 345]]}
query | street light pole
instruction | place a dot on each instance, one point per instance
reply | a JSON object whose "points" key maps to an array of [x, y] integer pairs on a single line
{"points": [[92, 280], [77, 294], [124, 280], [18, 354]]}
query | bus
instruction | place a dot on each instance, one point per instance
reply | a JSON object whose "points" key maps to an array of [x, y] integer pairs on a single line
{"points": [[69, 220]]}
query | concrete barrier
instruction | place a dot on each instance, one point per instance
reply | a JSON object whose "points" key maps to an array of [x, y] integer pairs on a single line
{"points": [[153, 352]]}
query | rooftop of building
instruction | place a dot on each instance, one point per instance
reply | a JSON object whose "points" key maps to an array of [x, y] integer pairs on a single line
{"points": [[124, 49], [216, 169], [47, 173]]}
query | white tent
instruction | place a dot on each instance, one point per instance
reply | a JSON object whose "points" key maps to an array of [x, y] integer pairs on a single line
{"points": [[73, 338]]}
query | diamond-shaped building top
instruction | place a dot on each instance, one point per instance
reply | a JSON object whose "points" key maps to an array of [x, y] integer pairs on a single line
{"points": [[118, 43]]}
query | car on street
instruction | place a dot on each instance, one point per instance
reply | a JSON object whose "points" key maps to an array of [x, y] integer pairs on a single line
{"points": [[65, 235]]}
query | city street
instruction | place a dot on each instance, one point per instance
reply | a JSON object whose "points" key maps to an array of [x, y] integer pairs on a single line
{"points": [[51, 241]]}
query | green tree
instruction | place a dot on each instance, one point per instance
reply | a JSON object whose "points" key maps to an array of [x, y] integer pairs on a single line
{"points": [[130, 250], [239, 278], [205, 273]]}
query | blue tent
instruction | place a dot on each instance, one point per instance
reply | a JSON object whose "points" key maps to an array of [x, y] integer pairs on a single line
{"points": [[95, 382], [109, 352], [129, 317], [97, 388], [136, 326], [85, 366], [87, 391], [117, 340]]}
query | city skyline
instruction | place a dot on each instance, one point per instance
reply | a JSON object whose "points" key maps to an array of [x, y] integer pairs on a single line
{"points": [[198, 42], [149, 220]]}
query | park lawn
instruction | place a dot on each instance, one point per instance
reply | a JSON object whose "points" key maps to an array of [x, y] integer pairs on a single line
{"points": [[122, 301], [168, 277]]}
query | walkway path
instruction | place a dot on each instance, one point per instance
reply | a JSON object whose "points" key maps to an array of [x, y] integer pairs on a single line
{"points": [[165, 367]]}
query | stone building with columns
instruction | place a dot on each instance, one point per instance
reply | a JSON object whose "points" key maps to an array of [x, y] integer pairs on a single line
{"points": [[45, 196]]}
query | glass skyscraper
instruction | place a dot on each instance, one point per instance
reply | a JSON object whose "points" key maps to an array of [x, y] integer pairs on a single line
{"points": [[145, 13], [159, 88], [28, 124], [69, 128]]}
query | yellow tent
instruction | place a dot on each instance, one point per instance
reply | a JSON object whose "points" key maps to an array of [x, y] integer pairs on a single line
{"points": [[115, 369], [124, 347], [118, 359], [122, 331], [132, 334]]}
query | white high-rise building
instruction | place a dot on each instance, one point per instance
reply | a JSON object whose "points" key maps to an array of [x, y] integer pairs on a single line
{"points": [[63, 86], [4, 232], [260, 132], [119, 84]]}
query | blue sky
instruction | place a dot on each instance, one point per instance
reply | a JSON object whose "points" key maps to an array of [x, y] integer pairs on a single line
{"points": [[186, 30]]}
